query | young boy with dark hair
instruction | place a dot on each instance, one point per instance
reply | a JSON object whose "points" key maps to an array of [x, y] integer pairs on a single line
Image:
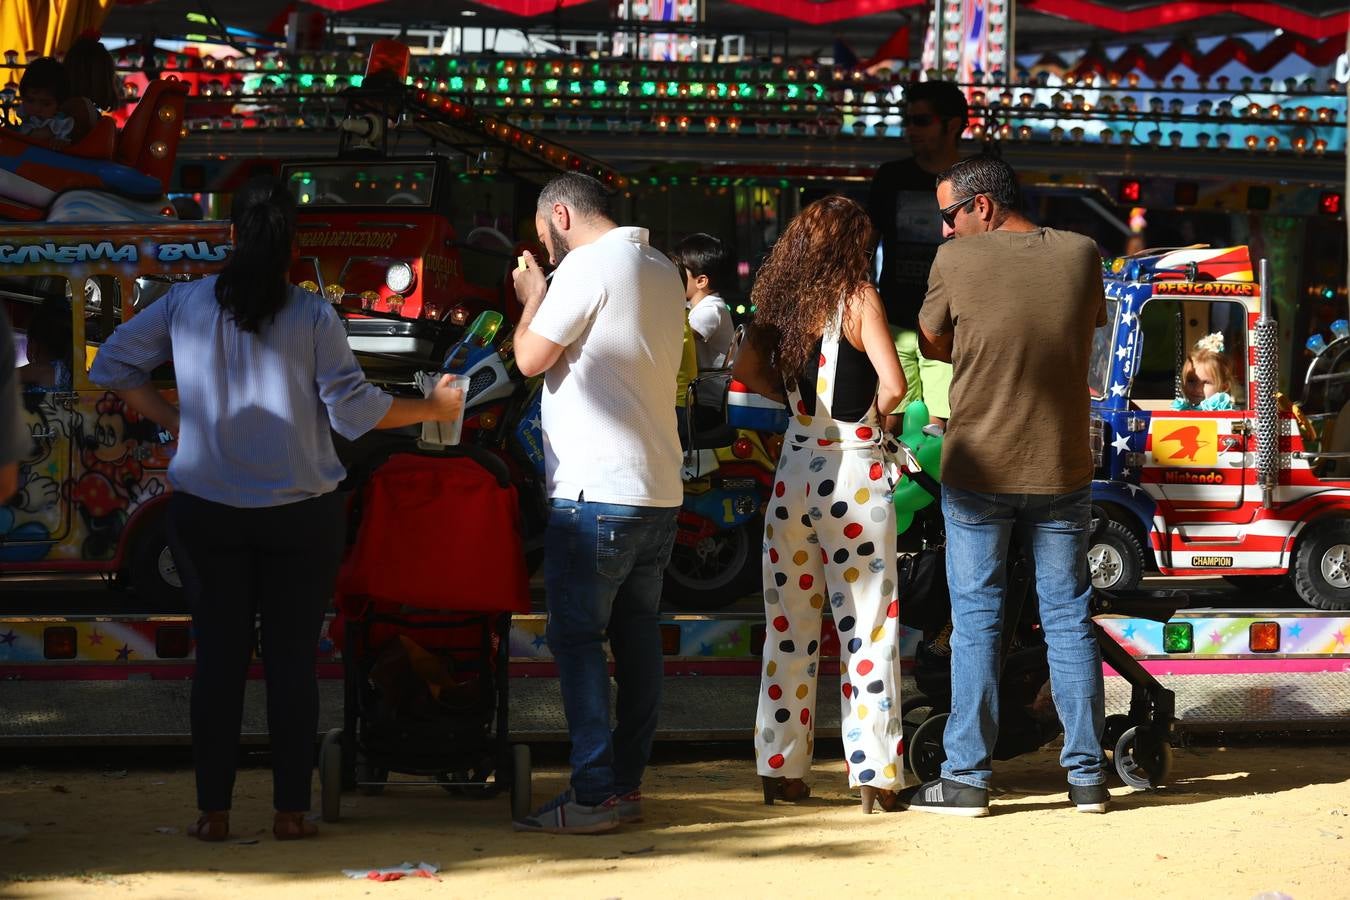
{"points": [[705, 261]]}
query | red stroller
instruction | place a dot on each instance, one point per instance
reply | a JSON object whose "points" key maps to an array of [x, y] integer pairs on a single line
{"points": [[424, 602]]}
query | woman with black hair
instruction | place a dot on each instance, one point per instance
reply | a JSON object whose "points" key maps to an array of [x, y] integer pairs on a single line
{"points": [[263, 373]]}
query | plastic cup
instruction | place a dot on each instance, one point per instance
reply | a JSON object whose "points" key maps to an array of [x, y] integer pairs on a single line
{"points": [[442, 432]]}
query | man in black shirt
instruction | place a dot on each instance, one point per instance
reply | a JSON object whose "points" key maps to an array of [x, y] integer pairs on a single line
{"points": [[904, 211]]}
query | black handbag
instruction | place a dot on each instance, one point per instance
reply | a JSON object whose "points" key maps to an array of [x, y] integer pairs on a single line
{"points": [[925, 603]]}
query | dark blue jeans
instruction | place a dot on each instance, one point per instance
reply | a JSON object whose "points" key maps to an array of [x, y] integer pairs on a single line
{"points": [[603, 568], [1053, 530]]}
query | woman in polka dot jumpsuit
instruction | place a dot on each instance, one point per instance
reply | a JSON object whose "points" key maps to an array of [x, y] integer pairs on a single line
{"points": [[829, 533]]}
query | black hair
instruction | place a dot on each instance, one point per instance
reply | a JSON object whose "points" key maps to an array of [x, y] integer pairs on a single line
{"points": [[945, 97], [984, 175], [46, 73], [703, 254], [253, 286], [585, 195], [93, 74]]}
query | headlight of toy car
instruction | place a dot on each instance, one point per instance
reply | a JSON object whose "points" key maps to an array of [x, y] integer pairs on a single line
{"points": [[399, 277]]}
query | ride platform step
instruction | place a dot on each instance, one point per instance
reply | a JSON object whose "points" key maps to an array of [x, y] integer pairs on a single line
{"points": [[693, 708]]}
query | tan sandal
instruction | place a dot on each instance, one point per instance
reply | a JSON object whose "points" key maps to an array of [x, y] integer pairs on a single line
{"points": [[211, 826], [292, 826]]}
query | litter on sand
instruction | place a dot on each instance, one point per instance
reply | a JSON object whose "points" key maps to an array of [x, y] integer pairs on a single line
{"points": [[394, 873]]}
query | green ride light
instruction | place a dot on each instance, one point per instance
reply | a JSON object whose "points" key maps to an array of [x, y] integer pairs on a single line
{"points": [[649, 88], [599, 86], [480, 85], [1178, 637], [526, 85], [330, 81], [503, 85], [306, 80], [744, 89], [551, 85], [769, 90], [721, 89], [740, 309], [456, 83], [623, 88], [500, 65], [574, 87], [819, 89], [794, 91], [753, 307]]}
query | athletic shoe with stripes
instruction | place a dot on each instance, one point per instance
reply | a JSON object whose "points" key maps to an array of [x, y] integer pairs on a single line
{"points": [[949, 798], [630, 808], [564, 815]]}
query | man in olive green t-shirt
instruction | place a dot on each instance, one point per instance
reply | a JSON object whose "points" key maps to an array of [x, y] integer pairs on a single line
{"points": [[1013, 306]]}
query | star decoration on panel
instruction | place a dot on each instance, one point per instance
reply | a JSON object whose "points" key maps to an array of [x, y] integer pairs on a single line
{"points": [[1121, 443], [124, 653], [96, 638], [1117, 389], [8, 638]]}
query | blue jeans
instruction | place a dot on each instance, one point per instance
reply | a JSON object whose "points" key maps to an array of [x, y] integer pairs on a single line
{"points": [[603, 569], [1053, 530]]}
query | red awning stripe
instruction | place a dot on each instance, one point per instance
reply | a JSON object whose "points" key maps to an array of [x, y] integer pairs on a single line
{"points": [[1161, 15]]}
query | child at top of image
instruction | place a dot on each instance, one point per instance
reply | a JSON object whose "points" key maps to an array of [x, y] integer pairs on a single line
{"points": [[705, 261], [1207, 377], [44, 87]]}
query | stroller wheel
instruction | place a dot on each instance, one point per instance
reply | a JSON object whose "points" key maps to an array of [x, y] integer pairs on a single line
{"points": [[913, 713], [1115, 726], [521, 794], [366, 774], [925, 750], [1143, 758], [330, 774]]}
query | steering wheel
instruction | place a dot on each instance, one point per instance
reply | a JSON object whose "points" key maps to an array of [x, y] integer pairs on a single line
{"points": [[405, 197], [490, 232]]}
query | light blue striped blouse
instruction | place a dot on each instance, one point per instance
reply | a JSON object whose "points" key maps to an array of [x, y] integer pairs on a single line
{"points": [[255, 408]]}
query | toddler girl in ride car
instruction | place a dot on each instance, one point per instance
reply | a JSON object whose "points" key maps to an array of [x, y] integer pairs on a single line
{"points": [[1206, 377]]}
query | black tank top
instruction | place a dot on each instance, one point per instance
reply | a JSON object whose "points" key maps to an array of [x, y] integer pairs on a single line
{"points": [[855, 382]]}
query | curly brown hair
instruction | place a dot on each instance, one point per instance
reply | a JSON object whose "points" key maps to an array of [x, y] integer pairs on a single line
{"points": [[822, 256]]}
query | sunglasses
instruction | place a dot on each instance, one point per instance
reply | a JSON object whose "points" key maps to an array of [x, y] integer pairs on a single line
{"points": [[920, 120], [949, 213]]}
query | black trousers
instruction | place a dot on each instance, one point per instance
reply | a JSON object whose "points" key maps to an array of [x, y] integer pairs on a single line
{"points": [[274, 566]]}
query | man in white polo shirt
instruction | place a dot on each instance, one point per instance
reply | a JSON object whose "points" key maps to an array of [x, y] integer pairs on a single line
{"points": [[607, 334]]}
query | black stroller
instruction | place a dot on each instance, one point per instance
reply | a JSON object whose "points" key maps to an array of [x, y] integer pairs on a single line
{"points": [[1140, 741], [433, 573]]}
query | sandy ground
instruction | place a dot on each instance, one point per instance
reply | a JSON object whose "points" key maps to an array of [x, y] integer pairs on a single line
{"points": [[1237, 822]]}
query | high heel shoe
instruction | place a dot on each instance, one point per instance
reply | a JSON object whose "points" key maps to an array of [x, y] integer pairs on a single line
{"points": [[789, 790], [889, 801]]}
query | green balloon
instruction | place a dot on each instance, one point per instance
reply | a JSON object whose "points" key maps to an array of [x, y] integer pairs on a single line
{"points": [[915, 417]]}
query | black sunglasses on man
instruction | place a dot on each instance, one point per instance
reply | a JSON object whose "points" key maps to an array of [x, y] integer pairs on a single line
{"points": [[949, 213]]}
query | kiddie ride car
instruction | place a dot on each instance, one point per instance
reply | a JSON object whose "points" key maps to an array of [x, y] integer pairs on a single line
{"points": [[1249, 493], [109, 176], [411, 248]]}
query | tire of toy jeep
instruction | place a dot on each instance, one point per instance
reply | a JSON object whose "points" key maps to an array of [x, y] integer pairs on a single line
{"points": [[1115, 558], [1322, 565], [154, 576], [718, 571]]}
